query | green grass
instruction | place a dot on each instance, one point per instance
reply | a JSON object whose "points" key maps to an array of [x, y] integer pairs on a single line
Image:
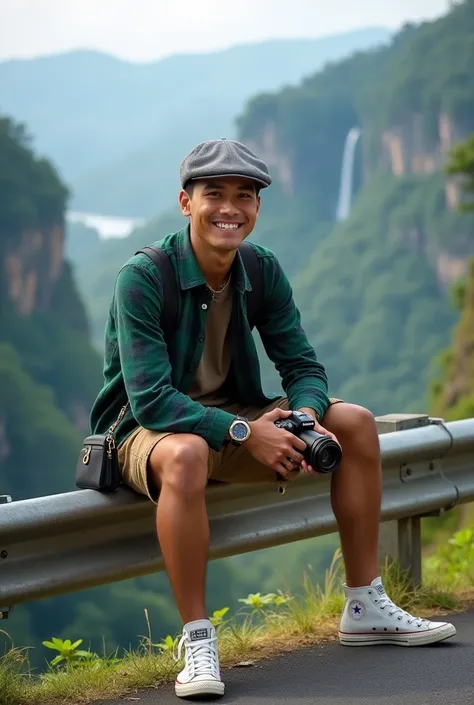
{"points": [[264, 626]]}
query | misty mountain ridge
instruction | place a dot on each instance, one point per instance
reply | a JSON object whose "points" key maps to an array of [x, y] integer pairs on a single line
{"points": [[117, 130]]}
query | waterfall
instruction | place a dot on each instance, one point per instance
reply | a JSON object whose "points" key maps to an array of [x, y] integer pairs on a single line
{"points": [[347, 173]]}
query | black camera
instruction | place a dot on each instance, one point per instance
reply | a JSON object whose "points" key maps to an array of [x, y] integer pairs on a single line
{"points": [[321, 452]]}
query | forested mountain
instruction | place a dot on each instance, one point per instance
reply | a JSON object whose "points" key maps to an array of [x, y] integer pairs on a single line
{"points": [[49, 372], [453, 390], [116, 129]]}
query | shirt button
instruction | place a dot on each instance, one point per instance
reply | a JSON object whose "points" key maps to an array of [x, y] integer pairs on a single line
{"points": [[204, 306], [201, 339]]}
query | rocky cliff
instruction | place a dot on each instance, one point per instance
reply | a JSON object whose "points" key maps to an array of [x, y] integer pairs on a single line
{"points": [[32, 264], [32, 206], [407, 150], [49, 373]]}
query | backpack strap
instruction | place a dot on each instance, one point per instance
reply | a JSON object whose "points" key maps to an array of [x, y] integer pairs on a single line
{"points": [[254, 273], [169, 314]]}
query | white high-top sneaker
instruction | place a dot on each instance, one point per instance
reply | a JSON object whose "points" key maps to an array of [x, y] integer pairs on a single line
{"points": [[370, 617], [201, 674]]}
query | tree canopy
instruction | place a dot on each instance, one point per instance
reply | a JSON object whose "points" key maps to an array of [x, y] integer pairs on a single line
{"points": [[461, 164]]}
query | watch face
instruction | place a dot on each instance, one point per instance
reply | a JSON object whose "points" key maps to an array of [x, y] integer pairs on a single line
{"points": [[239, 431]]}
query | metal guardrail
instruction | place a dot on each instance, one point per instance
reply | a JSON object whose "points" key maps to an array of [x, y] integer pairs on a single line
{"points": [[76, 540]]}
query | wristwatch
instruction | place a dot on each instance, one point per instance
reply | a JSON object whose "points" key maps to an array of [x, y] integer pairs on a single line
{"points": [[239, 431]]}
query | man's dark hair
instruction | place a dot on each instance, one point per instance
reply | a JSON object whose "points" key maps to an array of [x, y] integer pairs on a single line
{"points": [[189, 188]]}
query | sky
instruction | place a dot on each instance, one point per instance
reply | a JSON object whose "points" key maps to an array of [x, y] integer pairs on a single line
{"points": [[146, 30]]}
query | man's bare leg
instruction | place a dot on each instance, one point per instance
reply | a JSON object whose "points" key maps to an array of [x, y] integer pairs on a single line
{"points": [[369, 615], [178, 465], [356, 490]]}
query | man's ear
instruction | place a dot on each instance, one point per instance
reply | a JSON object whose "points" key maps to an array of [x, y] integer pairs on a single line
{"points": [[185, 203]]}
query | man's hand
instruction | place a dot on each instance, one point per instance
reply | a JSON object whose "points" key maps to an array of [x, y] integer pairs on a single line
{"points": [[319, 429], [273, 446]]}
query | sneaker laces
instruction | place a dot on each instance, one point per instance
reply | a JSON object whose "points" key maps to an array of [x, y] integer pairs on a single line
{"points": [[200, 657], [384, 602]]}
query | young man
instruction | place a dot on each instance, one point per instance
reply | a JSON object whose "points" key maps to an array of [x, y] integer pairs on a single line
{"points": [[197, 409]]}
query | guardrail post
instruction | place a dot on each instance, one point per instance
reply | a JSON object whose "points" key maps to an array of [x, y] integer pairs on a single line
{"points": [[4, 611], [401, 540], [409, 547]]}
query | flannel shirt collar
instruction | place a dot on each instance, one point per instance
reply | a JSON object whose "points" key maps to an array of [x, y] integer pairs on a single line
{"points": [[189, 272]]}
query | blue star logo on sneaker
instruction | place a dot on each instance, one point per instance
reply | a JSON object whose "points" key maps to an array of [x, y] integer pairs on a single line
{"points": [[371, 617], [356, 609]]}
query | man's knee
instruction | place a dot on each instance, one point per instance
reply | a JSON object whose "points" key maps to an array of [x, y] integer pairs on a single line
{"points": [[181, 463], [354, 426]]}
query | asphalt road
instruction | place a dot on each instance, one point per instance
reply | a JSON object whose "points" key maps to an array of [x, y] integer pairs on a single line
{"points": [[330, 674]]}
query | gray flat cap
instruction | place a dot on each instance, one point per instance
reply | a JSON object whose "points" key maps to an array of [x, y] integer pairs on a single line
{"points": [[223, 158]]}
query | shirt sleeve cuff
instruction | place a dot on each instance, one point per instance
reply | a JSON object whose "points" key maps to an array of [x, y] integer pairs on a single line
{"points": [[220, 424], [319, 403]]}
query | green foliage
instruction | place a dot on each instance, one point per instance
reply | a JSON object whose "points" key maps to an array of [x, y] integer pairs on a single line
{"points": [[68, 652], [452, 564], [56, 355], [13, 675], [259, 602], [461, 163], [168, 644], [217, 617], [33, 426], [31, 193]]}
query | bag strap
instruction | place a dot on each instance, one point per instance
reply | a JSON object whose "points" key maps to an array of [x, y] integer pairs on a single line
{"points": [[254, 273], [169, 313], [110, 433], [170, 310]]}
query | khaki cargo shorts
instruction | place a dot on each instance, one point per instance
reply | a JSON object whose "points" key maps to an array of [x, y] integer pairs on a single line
{"points": [[233, 464]]}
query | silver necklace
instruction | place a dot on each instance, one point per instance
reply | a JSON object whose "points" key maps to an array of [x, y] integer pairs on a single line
{"points": [[220, 290]]}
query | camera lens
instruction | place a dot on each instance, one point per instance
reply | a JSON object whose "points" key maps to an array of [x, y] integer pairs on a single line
{"points": [[322, 453], [328, 458]]}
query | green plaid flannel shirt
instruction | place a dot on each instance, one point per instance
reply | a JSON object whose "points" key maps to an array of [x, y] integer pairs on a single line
{"points": [[154, 377]]}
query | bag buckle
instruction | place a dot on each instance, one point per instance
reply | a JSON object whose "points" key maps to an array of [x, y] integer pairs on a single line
{"points": [[110, 446], [87, 455]]}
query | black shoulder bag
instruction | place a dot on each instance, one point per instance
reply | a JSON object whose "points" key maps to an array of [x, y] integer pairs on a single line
{"points": [[98, 467]]}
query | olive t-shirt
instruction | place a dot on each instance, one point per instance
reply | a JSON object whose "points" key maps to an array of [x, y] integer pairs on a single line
{"points": [[215, 361]]}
